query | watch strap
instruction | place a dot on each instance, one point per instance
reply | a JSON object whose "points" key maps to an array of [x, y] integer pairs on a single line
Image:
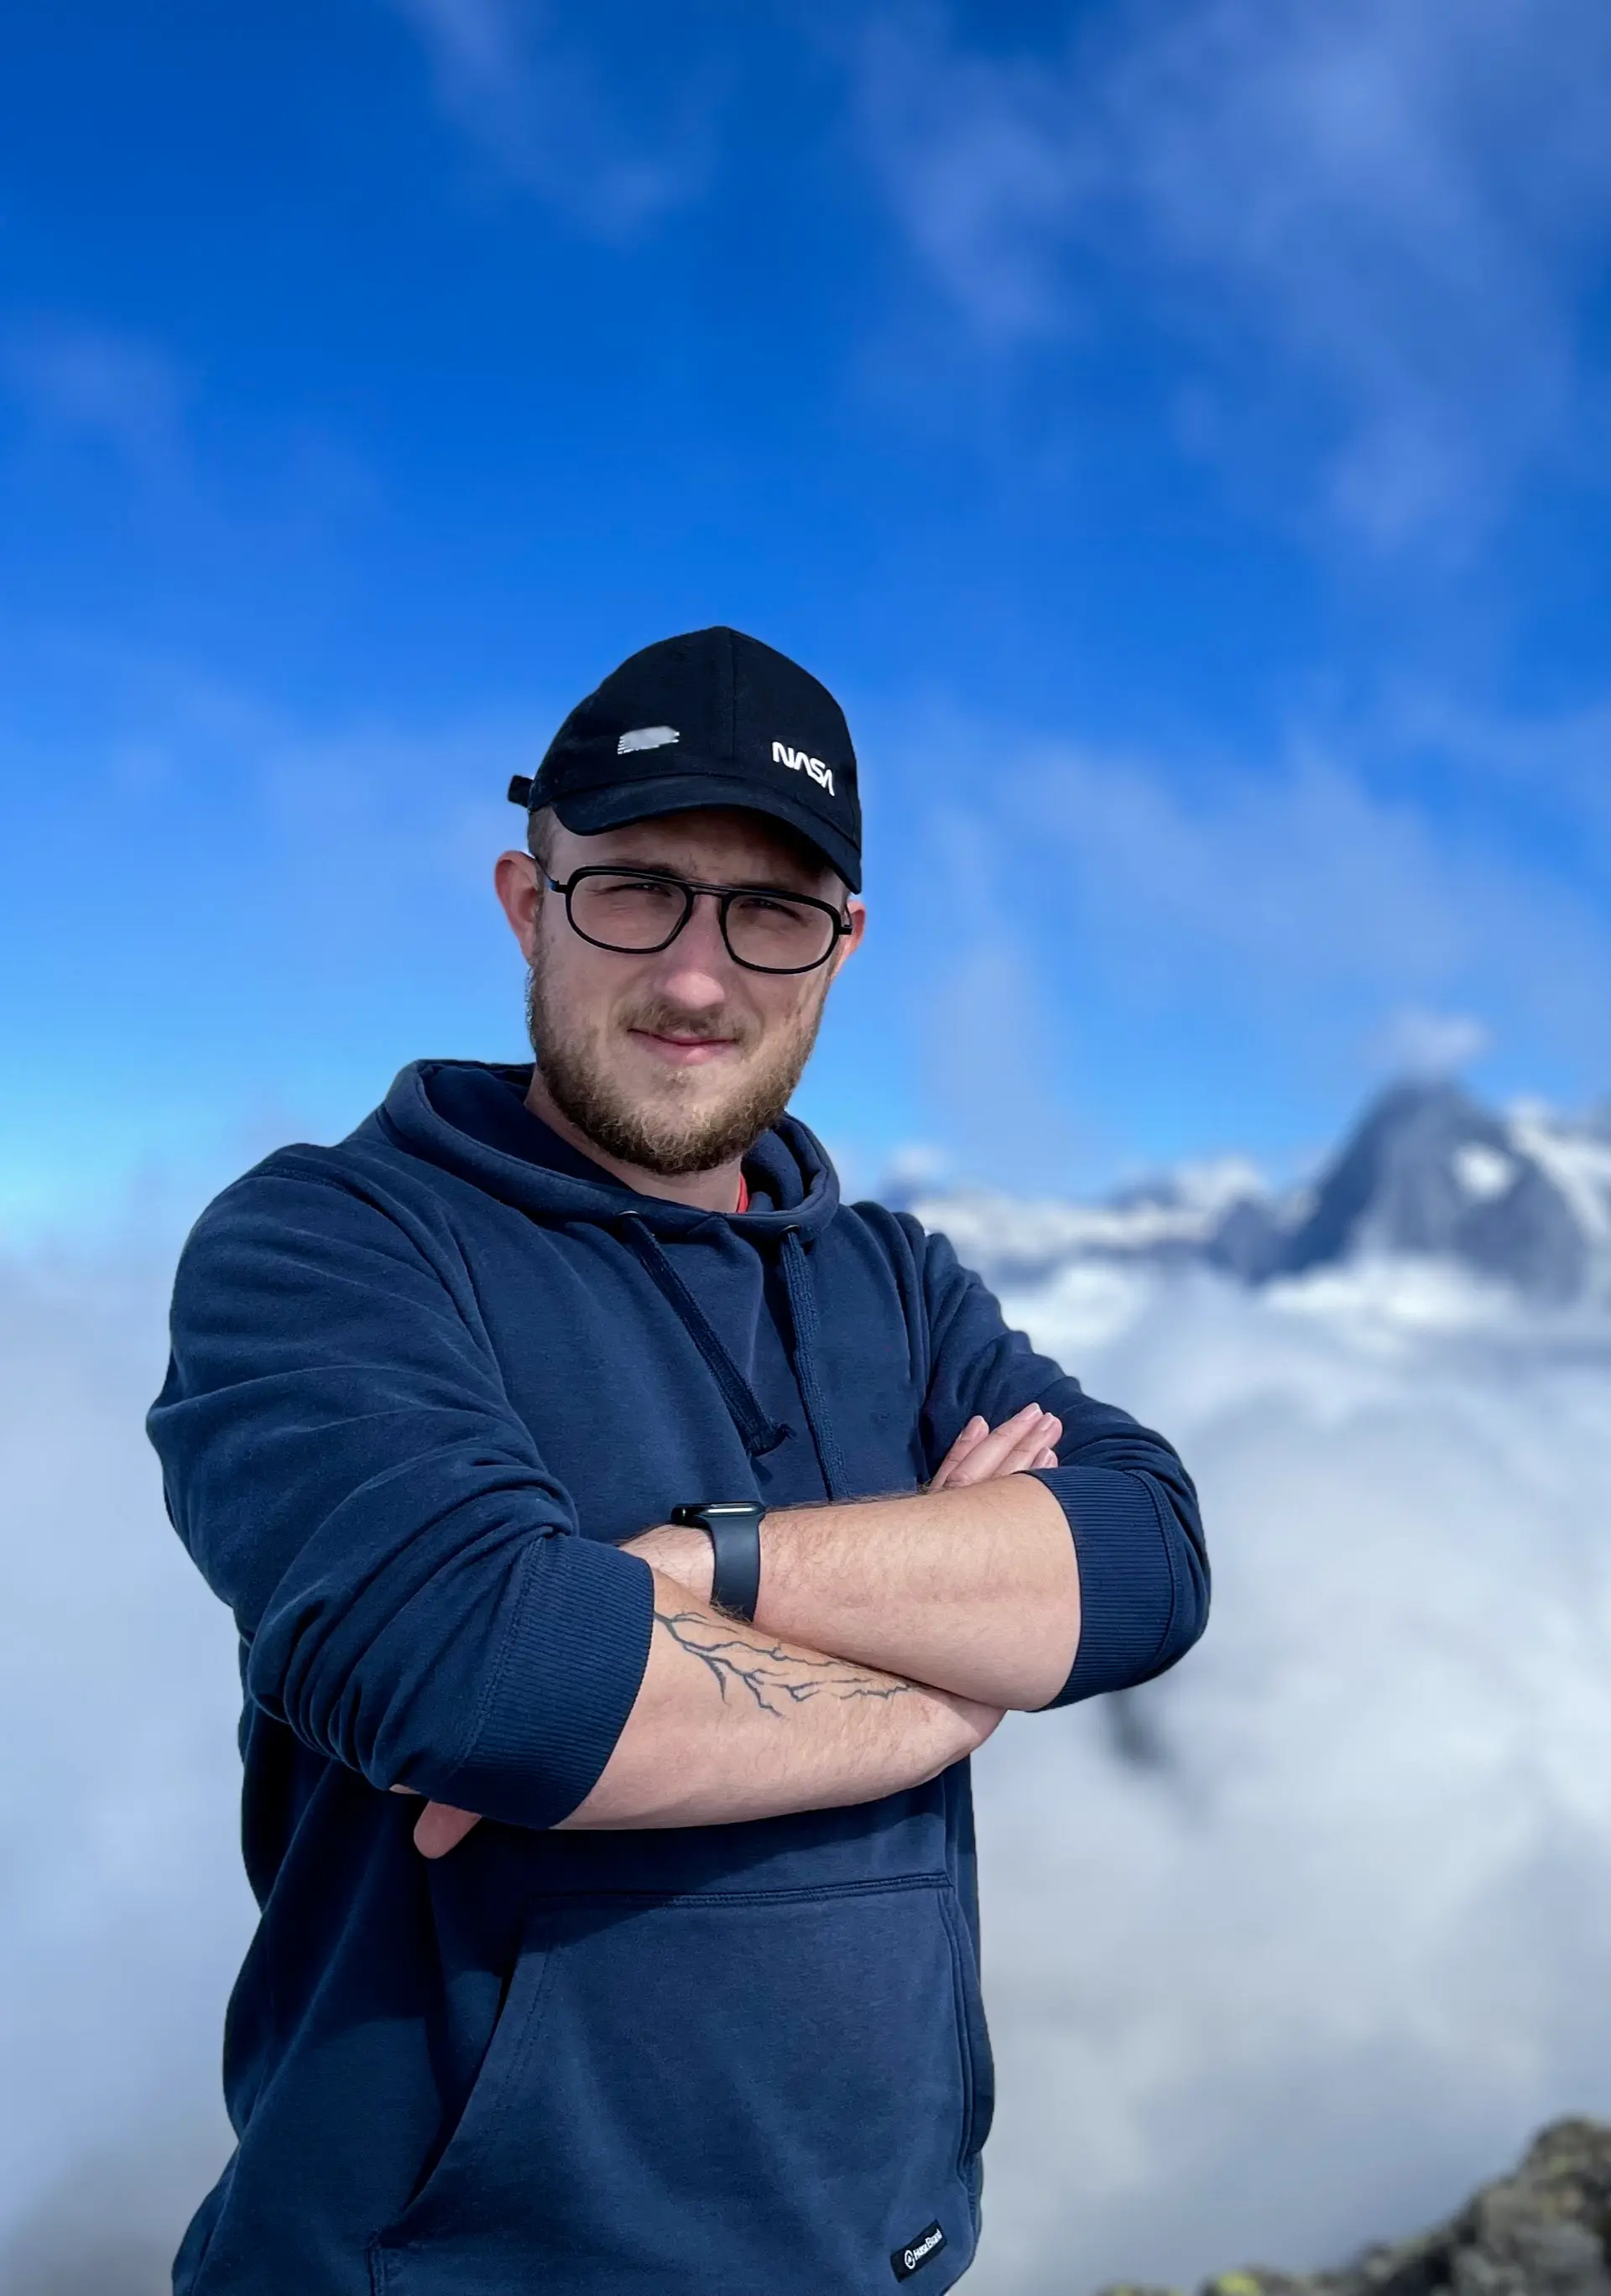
{"points": [[734, 1529]]}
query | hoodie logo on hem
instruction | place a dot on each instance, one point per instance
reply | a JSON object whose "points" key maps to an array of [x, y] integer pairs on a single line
{"points": [[916, 2253]]}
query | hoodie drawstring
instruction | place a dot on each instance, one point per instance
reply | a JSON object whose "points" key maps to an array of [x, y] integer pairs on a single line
{"points": [[802, 1313], [757, 1432]]}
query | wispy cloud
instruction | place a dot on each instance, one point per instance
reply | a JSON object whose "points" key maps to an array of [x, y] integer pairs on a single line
{"points": [[82, 384], [1301, 893], [984, 1021], [82, 403], [1139, 928], [543, 109], [310, 900], [1381, 220], [1557, 764], [1417, 1042]]}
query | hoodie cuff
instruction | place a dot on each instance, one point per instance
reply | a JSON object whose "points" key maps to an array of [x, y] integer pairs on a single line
{"points": [[569, 1673], [1127, 1585]]}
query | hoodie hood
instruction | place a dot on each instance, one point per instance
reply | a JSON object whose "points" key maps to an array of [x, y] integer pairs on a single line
{"points": [[787, 1168], [429, 1111]]}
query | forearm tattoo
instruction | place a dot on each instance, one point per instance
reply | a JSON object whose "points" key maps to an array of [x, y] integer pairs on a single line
{"points": [[775, 1678]]}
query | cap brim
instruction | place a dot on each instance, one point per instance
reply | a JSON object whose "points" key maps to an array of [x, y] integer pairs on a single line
{"points": [[587, 811]]}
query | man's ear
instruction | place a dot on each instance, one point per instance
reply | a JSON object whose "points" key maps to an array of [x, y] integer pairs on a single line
{"points": [[852, 941], [514, 880]]}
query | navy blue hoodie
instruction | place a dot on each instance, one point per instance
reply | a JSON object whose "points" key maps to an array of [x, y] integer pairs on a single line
{"points": [[423, 1383]]}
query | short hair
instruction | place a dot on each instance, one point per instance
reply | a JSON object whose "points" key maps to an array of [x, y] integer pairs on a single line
{"points": [[539, 836]]}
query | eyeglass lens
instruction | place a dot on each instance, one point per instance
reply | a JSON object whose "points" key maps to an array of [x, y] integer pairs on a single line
{"points": [[638, 914]]}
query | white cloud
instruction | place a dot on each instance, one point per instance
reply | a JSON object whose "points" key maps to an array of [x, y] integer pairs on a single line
{"points": [[1298, 1983], [1385, 216], [544, 112], [123, 1910], [1325, 1964], [1416, 1042]]}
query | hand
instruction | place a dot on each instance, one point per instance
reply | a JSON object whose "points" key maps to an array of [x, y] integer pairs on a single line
{"points": [[982, 1453], [440, 1828]]}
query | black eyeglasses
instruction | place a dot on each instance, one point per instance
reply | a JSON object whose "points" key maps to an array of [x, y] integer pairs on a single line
{"points": [[637, 911]]}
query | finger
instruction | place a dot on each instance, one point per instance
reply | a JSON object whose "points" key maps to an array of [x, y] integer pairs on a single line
{"points": [[1002, 1451], [413, 1790], [1049, 1458], [975, 1431], [441, 1828], [964, 1442], [986, 1453], [1026, 1452]]}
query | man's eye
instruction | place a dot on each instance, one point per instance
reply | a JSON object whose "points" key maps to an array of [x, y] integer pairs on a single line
{"points": [[637, 889], [762, 909]]}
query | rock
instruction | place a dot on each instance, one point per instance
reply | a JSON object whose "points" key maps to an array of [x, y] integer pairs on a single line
{"points": [[1430, 1173], [1545, 2231]]}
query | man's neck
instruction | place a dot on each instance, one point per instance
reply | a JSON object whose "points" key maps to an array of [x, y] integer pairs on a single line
{"points": [[710, 1192]]}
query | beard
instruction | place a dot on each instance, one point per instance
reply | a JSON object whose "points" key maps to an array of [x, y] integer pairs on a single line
{"points": [[660, 1132]]}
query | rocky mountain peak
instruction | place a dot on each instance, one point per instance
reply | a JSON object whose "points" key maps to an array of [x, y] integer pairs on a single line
{"points": [[1543, 2231], [1430, 1172], [1521, 1197]]}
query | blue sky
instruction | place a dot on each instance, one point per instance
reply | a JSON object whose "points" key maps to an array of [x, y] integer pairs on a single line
{"points": [[1180, 430]]}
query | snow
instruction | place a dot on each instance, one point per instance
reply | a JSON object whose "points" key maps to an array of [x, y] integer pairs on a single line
{"points": [[1482, 1171], [1181, 1208], [1577, 1158]]}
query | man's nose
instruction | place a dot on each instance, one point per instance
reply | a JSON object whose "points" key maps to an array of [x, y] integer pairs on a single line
{"points": [[697, 970]]}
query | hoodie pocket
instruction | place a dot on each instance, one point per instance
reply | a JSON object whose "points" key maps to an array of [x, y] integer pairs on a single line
{"points": [[979, 2065], [717, 2093]]}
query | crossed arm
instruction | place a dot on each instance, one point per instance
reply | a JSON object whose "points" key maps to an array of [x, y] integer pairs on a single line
{"points": [[417, 1602], [890, 1637]]}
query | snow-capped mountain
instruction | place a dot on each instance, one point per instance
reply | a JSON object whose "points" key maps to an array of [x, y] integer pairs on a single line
{"points": [[1521, 1197]]}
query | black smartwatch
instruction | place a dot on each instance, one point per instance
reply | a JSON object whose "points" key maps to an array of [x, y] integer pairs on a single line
{"points": [[734, 1527]]}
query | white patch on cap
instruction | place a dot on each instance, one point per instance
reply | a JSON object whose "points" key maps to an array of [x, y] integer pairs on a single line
{"points": [[645, 737]]}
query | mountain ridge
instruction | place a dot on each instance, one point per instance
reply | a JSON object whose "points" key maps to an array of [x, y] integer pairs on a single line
{"points": [[1519, 1198]]}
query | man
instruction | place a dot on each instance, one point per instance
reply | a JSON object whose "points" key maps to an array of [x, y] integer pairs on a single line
{"points": [[692, 2006]]}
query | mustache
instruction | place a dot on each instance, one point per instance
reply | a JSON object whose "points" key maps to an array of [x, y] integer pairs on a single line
{"points": [[662, 1019]]}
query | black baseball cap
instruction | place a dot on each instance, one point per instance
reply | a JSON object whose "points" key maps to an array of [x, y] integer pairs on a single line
{"points": [[711, 718]]}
